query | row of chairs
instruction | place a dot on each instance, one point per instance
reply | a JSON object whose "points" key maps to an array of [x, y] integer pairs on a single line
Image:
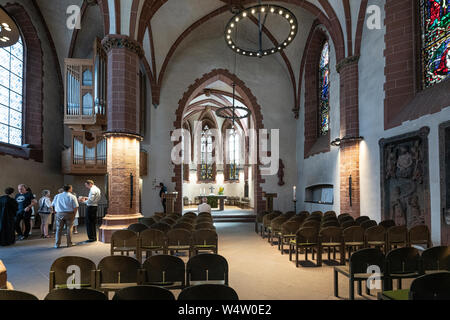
{"points": [[189, 220], [116, 272], [142, 292], [400, 263]]}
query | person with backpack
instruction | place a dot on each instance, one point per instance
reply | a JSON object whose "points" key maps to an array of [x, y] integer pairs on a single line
{"points": [[45, 212]]}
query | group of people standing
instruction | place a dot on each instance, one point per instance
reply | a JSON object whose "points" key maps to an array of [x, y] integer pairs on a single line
{"points": [[64, 207]]}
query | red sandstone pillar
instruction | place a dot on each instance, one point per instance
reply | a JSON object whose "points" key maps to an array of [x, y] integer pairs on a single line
{"points": [[123, 134], [349, 152]]}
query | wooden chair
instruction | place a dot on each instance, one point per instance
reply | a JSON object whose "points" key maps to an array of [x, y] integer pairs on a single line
{"points": [[274, 230], [164, 271], [361, 219], [267, 219], [124, 241], [207, 268], [144, 293], [158, 215], [353, 239], [168, 221], [183, 225], [331, 238], [179, 240], [83, 294], [137, 228], [164, 227], [396, 236], [434, 286], [311, 223], [204, 214], [368, 223], [357, 270], [289, 214], [8, 295], [386, 224], [314, 218], [347, 223], [303, 213], [209, 292], [288, 231], [61, 266], [344, 216], [401, 263], [147, 221], [436, 259], [152, 240], [420, 235], [117, 272], [205, 240], [317, 213], [205, 225], [329, 214], [300, 217], [376, 237], [190, 214], [305, 238], [330, 223]]}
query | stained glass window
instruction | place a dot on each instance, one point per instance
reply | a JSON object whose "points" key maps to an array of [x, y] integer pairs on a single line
{"points": [[233, 149], [206, 167], [324, 90], [11, 93], [435, 40]]}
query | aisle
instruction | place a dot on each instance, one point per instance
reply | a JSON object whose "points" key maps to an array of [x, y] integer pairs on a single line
{"points": [[257, 270]]}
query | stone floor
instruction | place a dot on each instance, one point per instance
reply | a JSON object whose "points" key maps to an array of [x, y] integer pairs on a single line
{"points": [[257, 270]]}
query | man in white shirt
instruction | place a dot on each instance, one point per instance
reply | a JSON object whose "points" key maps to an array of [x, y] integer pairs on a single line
{"points": [[91, 213], [66, 207], [204, 206]]}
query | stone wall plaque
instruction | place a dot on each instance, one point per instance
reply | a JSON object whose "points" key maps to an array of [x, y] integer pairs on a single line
{"points": [[405, 187]]}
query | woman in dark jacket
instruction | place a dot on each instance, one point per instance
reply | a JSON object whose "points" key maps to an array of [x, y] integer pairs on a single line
{"points": [[8, 209]]}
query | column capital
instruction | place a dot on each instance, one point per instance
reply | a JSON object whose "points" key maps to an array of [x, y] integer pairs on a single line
{"points": [[116, 41], [345, 62]]}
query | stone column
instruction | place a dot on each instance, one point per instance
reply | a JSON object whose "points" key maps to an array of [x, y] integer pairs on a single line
{"points": [[349, 152], [123, 137], [269, 200]]}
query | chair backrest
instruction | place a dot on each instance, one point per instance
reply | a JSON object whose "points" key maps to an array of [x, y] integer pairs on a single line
{"points": [[183, 225], [137, 227], [82, 294], [124, 238], [298, 218], [311, 223], [174, 216], [276, 223], [16, 295], [303, 213], [153, 237], [317, 213], [158, 215], [403, 260], [397, 235], [329, 214], [204, 214], [205, 225], [314, 218], [147, 221], [420, 234], [330, 223], [435, 286], [190, 214], [204, 237], [164, 227], [207, 267], [368, 223], [203, 220], [290, 227], [362, 259], [161, 269], [144, 293], [268, 218], [331, 234], [387, 224], [178, 237], [361, 219], [307, 235], [436, 258], [209, 292], [289, 214], [343, 215], [118, 269], [375, 233], [61, 266], [353, 234], [347, 223], [168, 221]]}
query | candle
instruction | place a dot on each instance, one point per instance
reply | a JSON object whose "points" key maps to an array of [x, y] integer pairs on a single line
{"points": [[295, 193]]}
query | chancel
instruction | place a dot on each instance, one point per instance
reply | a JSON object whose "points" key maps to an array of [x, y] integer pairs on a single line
{"points": [[224, 150]]}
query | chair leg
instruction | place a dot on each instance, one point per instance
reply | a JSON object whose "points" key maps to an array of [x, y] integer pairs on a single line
{"points": [[336, 285], [296, 257], [367, 290], [306, 253], [351, 289], [359, 287], [399, 284], [290, 252]]}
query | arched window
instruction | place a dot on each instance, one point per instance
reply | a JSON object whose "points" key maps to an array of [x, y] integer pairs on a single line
{"points": [[206, 167], [11, 93], [233, 154], [435, 41], [324, 90]]}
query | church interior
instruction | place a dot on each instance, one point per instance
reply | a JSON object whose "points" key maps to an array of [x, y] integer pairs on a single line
{"points": [[224, 150]]}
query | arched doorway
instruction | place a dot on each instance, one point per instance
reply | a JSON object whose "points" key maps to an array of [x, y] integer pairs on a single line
{"points": [[245, 97]]}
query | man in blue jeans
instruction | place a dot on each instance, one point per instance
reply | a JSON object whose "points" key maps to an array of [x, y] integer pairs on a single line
{"points": [[91, 213], [25, 201]]}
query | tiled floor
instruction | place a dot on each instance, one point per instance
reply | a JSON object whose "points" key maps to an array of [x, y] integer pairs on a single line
{"points": [[257, 270]]}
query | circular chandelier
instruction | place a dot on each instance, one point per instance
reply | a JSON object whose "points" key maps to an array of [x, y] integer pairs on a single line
{"points": [[261, 12], [224, 112], [9, 33]]}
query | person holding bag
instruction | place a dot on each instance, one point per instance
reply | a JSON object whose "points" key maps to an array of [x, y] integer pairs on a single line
{"points": [[45, 212]]}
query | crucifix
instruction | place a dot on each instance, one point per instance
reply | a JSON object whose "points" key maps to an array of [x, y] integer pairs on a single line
{"points": [[212, 189]]}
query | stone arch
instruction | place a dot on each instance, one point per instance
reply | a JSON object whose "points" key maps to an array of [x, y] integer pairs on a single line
{"points": [[250, 101]]}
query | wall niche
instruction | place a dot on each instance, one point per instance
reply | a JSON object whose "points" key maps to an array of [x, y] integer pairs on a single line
{"points": [[405, 188]]}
